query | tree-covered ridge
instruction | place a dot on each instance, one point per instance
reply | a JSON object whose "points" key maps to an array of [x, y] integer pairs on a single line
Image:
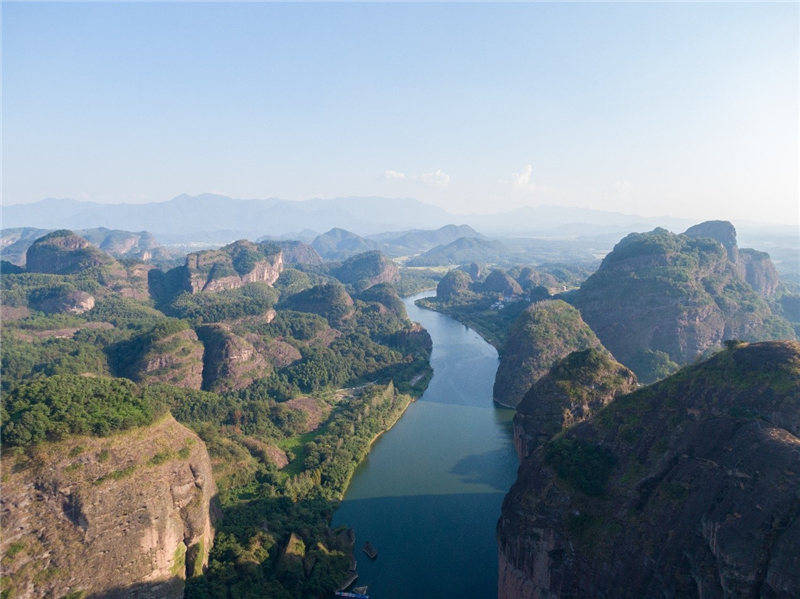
{"points": [[51, 408]]}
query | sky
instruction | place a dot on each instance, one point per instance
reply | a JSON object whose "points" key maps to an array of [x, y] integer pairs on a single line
{"points": [[678, 109]]}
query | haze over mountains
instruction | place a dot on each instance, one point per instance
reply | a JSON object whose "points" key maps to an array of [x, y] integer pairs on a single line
{"points": [[364, 215]]}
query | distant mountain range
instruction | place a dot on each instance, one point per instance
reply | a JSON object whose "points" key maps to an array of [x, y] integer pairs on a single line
{"points": [[185, 216]]}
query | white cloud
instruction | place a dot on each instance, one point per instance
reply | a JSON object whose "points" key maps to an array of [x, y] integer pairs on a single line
{"points": [[522, 179], [437, 178], [391, 175]]}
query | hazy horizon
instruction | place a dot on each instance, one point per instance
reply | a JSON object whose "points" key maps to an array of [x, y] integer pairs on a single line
{"points": [[686, 111]]}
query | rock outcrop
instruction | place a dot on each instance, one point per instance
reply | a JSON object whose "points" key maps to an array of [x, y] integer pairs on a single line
{"points": [[63, 252], [758, 270], [659, 300], [687, 488], [362, 271], [544, 333], [574, 389], [229, 361], [173, 357], [232, 266], [122, 516]]}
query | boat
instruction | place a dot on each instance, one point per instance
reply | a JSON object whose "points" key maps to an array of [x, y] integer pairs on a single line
{"points": [[350, 594], [371, 552], [362, 590]]}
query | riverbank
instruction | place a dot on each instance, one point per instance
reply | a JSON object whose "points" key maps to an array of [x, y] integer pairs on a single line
{"points": [[440, 471]]}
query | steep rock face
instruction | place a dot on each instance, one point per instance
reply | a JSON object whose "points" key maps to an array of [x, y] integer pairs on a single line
{"points": [[229, 362], [453, 284], [229, 267], [63, 252], [758, 270], [575, 388], [176, 359], [660, 298], [719, 230], [233, 266], [544, 333], [329, 300], [687, 488], [499, 281], [362, 271], [123, 516]]}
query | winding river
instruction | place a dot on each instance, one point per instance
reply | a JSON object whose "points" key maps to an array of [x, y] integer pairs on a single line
{"points": [[428, 496]]}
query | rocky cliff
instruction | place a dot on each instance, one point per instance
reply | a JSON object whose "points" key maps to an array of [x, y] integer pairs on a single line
{"points": [[659, 300], [545, 332], [574, 389], [233, 266], [123, 516], [687, 488]]}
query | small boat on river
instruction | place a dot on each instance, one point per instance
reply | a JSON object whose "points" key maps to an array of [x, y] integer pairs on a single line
{"points": [[371, 552]]}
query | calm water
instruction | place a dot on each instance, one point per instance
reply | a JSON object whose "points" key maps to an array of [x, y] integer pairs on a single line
{"points": [[428, 495]]}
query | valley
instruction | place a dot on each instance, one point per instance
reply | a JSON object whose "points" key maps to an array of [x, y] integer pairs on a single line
{"points": [[302, 399]]}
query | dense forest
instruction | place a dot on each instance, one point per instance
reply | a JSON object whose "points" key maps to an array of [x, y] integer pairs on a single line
{"points": [[324, 374]]}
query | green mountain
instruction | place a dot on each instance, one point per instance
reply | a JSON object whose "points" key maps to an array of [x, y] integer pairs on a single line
{"points": [[543, 333], [659, 300]]}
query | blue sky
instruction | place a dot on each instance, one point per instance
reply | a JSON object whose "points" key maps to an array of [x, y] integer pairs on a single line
{"points": [[682, 109]]}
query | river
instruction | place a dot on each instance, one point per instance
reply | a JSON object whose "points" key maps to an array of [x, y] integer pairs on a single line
{"points": [[428, 495]]}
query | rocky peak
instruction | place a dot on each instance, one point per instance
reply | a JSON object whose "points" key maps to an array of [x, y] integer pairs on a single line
{"points": [[719, 230], [660, 300]]}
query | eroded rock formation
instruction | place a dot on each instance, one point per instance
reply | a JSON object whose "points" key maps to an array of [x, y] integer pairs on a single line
{"points": [[124, 516]]}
